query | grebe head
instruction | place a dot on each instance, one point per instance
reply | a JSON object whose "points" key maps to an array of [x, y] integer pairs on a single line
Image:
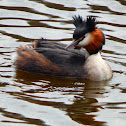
{"points": [[87, 35]]}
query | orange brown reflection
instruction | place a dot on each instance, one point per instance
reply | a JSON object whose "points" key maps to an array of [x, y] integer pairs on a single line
{"points": [[84, 109], [85, 105], [81, 111]]}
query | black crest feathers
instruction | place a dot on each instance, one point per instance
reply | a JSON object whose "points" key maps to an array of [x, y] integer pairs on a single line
{"points": [[89, 23]]}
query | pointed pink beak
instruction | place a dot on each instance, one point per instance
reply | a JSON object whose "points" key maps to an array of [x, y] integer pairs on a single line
{"points": [[73, 44]]}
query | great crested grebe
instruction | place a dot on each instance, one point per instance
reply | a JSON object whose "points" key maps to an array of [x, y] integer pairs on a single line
{"points": [[57, 59]]}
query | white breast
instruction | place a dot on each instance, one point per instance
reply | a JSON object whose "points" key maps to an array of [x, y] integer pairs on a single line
{"points": [[97, 69]]}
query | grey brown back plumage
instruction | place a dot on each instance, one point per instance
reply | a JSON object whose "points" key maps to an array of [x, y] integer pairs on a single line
{"points": [[52, 58]]}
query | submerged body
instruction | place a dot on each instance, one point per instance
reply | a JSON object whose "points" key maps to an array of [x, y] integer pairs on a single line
{"points": [[56, 59]]}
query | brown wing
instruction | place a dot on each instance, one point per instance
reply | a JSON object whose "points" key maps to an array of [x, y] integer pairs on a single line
{"points": [[32, 61], [50, 58]]}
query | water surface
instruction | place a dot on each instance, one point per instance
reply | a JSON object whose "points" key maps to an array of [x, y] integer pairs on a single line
{"points": [[37, 100]]}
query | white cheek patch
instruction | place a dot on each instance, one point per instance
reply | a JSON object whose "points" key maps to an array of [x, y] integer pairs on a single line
{"points": [[85, 41]]}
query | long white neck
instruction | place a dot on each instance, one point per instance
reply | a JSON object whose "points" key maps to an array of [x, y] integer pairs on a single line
{"points": [[96, 68]]}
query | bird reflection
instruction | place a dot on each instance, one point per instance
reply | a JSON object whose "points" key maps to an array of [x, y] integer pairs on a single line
{"points": [[85, 104]]}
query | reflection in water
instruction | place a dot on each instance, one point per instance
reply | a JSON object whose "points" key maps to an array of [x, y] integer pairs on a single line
{"points": [[83, 104], [84, 109], [81, 110]]}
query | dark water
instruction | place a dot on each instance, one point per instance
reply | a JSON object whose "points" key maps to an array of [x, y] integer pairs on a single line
{"points": [[35, 100]]}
